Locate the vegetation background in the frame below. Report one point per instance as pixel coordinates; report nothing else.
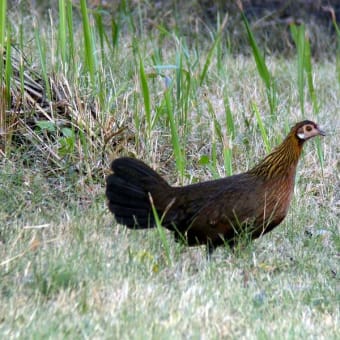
(198, 90)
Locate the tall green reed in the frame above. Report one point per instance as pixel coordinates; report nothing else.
(262, 68)
(89, 48)
(304, 69)
(304, 66)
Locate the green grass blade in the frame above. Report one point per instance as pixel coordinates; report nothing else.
(42, 55)
(21, 62)
(262, 68)
(101, 33)
(208, 59)
(8, 68)
(259, 59)
(70, 38)
(228, 157)
(3, 14)
(185, 98)
(161, 231)
(212, 49)
(320, 153)
(88, 42)
(3, 9)
(216, 132)
(62, 31)
(300, 42)
(180, 161)
(178, 76)
(146, 96)
(298, 34)
(227, 149)
(229, 118)
(262, 128)
(309, 75)
(114, 33)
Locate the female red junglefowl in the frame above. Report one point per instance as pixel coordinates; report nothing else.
(213, 212)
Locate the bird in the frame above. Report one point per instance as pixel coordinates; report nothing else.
(215, 212)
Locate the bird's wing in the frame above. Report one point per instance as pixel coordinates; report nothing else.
(219, 215)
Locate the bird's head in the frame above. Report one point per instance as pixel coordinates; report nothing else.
(306, 129)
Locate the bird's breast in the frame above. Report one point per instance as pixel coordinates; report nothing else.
(277, 198)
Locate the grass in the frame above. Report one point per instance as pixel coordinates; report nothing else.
(194, 112)
(80, 277)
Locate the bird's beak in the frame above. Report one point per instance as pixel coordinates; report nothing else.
(321, 132)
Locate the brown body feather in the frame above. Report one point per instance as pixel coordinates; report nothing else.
(213, 212)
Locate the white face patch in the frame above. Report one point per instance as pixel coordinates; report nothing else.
(301, 135)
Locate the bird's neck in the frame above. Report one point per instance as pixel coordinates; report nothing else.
(282, 161)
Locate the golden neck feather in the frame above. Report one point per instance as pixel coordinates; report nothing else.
(282, 159)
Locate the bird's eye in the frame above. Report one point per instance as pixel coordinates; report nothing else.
(308, 128)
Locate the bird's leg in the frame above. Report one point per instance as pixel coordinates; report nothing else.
(210, 248)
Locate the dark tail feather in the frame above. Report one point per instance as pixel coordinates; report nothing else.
(127, 190)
